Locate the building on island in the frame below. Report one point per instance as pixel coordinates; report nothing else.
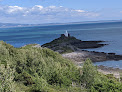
(66, 34)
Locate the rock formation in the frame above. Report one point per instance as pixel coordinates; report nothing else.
(69, 44)
(72, 48)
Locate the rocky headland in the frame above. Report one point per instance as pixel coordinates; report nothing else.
(72, 48)
(66, 44)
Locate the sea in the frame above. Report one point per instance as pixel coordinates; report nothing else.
(110, 32)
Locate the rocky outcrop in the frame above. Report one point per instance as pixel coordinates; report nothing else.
(65, 44)
(74, 49)
(80, 56)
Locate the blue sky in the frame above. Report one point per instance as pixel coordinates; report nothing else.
(53, 11)
(76, 4)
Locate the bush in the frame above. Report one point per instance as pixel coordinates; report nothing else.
(89, 74)
(97, 82)
(40, 69)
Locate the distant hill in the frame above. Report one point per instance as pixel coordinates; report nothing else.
(6, 25)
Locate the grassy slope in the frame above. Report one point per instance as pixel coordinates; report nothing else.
(39, 69)
(30, 69)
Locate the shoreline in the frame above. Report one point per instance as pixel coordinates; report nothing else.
(116, 72)
(82, 55)
(79, 58)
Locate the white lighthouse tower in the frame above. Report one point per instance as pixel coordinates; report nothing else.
(66, 33)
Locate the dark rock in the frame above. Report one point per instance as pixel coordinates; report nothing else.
(70, 43)
(62, 36)
(111, 53)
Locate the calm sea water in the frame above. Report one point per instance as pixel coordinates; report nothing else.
(110, 32)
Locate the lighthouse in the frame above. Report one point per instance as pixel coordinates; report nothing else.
(66, 34)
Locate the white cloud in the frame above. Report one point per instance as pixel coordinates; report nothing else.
(12, 9)
(80, 10)
(37, 7)
(40, 14)
(52, 7)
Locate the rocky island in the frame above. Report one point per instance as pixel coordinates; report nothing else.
(65, 44)
(73, 48)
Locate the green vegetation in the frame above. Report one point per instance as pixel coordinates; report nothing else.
(29, 45)
(64, 49)
(60, 40)
(36, 70)
(62, 44)
(30, 69)
(97, 82)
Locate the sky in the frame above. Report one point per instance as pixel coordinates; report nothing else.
(59, 11)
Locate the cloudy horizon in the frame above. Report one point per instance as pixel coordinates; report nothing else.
(41, 13)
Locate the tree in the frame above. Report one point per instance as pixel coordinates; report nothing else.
(89, 73)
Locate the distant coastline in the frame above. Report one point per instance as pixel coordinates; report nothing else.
(12, 25)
